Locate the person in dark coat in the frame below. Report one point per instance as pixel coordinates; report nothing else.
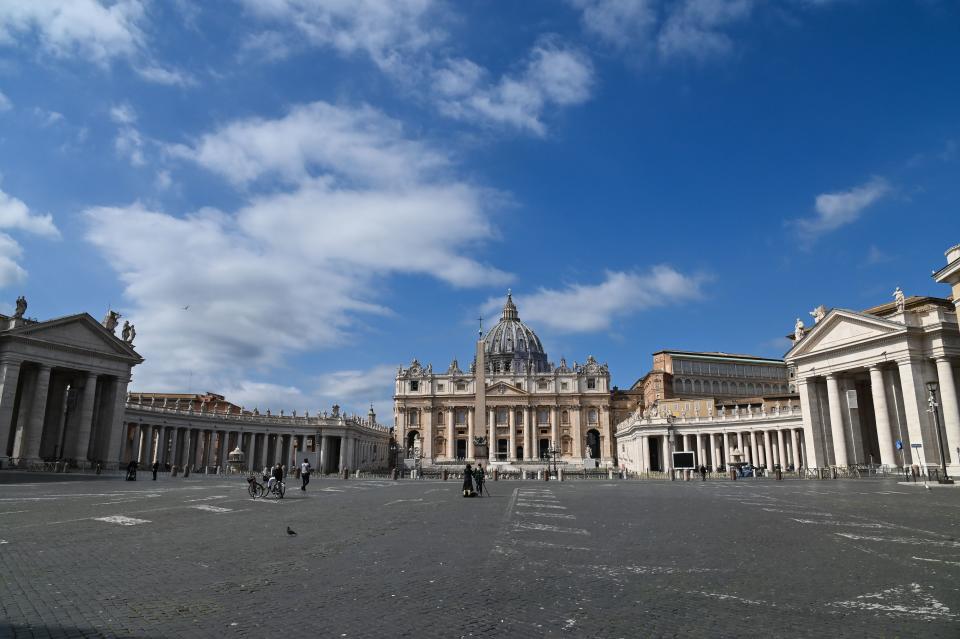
(480, 478)
(468, 482)
(156, 467)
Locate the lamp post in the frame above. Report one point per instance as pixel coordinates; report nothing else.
(553, 451)
(932, 407)
(671, 437)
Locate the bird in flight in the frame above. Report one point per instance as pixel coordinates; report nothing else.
(187, 307)
(290, 531)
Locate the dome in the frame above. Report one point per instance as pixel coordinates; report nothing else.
(512, 346)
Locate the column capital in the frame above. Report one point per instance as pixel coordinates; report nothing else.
(832, 376)
(941, 358)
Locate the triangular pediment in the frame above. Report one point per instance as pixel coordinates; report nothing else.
(505, 389)
(841, 328)
(78, 332)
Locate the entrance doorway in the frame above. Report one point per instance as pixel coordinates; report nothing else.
(461, 449)
(655, 460)
(503, 446)
(543, 448)
(593, 443)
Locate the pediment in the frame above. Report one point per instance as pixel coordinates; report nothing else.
(842, 328)
(505, 389)
(79, 332)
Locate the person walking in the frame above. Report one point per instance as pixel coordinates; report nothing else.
(703, 473)
(155, 468)
(304, 474)
(468, 482)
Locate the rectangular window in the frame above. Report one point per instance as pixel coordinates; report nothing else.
(440, 388)
(461, 386)
(541, 386)
(591, 383)
(414, 386)
(563, 386)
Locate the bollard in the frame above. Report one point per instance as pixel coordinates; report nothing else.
(186, 471)
(539, 475)
(173, 471)
(559, 474)
(393, 474)
(496, 474)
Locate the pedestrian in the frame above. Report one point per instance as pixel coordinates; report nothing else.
(305, 474)
(156, 467)
(468, 482)
(480, 478)
(132, 470)
(703, 473)
(277, 476)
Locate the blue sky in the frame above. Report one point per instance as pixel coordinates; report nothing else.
(335, 187)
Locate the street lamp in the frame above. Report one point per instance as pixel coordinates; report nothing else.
(932, 407)
(671, 438)
(553, 451)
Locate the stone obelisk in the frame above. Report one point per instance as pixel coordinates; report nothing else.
(480, 402)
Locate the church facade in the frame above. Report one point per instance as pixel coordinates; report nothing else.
(512, 406)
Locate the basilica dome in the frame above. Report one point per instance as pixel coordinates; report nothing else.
(511, 346)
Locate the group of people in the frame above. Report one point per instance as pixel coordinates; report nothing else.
(279, 471)
(474, 481)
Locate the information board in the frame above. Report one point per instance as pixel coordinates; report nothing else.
(684, 460)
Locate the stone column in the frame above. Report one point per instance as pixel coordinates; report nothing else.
(836, 422)
(512, 420)
(173, 460)
(701, 453)
(38, 412)
(915, 408)
(781, 451)
(555, 429)
(343, 453)
(81, 442)
(687, 443)
(527, 434)
(117, 411)
(143, 446)
(644, 454)
(754, 456)
(577, 430)
(9, 376)
(767, 450)
(888, 453)
(492, 435)
(324, 453)
(808, 411)
(796, 448)
(740, 444)
(667, 458)
(471, 451)
(452, 434)
(951, 411)
(717, 450)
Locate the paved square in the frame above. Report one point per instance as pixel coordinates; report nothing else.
(196, 557)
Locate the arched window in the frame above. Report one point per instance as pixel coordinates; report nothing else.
(440, 418)
(501, 415)
(519, 417)
(543, 416)
(413, 418)
(592, 416)
(564, 417)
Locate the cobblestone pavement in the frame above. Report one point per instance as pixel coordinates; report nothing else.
(196, 557)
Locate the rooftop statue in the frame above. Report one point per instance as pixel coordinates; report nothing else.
(21, 307)
(818, 314)
(110, 320)
(798, 330)
(899, 299)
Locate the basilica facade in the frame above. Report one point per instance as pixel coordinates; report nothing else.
(512, 406)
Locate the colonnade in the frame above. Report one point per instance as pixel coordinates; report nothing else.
(49, 413)
(857, 416)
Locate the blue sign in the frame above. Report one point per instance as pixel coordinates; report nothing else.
(899, 445)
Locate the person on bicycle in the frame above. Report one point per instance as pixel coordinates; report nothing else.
(277, 476)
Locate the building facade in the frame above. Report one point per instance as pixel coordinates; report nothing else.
(881, 385)
(63, 386)
(512, 406)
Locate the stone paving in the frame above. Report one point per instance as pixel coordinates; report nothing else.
(374, 558)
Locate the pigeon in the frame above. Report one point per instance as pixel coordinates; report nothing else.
(290, 531)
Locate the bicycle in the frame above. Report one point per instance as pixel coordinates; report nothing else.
(257, 490)
(254, 487)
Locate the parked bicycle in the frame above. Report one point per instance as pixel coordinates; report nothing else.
(257, 490)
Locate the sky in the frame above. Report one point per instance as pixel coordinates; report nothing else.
(292, 198)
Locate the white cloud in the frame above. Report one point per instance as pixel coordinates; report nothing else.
(834, 210)
(169, 77)
(622, 23)
(299, 266)
(384, 31)
(356, 390)
(15, 215)
(92, 29)
(5, 103)
(695, 29)
(47, 117)
(553, 75)
(123, 114)
(581, 308)
(358, 144)
(128, 143)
